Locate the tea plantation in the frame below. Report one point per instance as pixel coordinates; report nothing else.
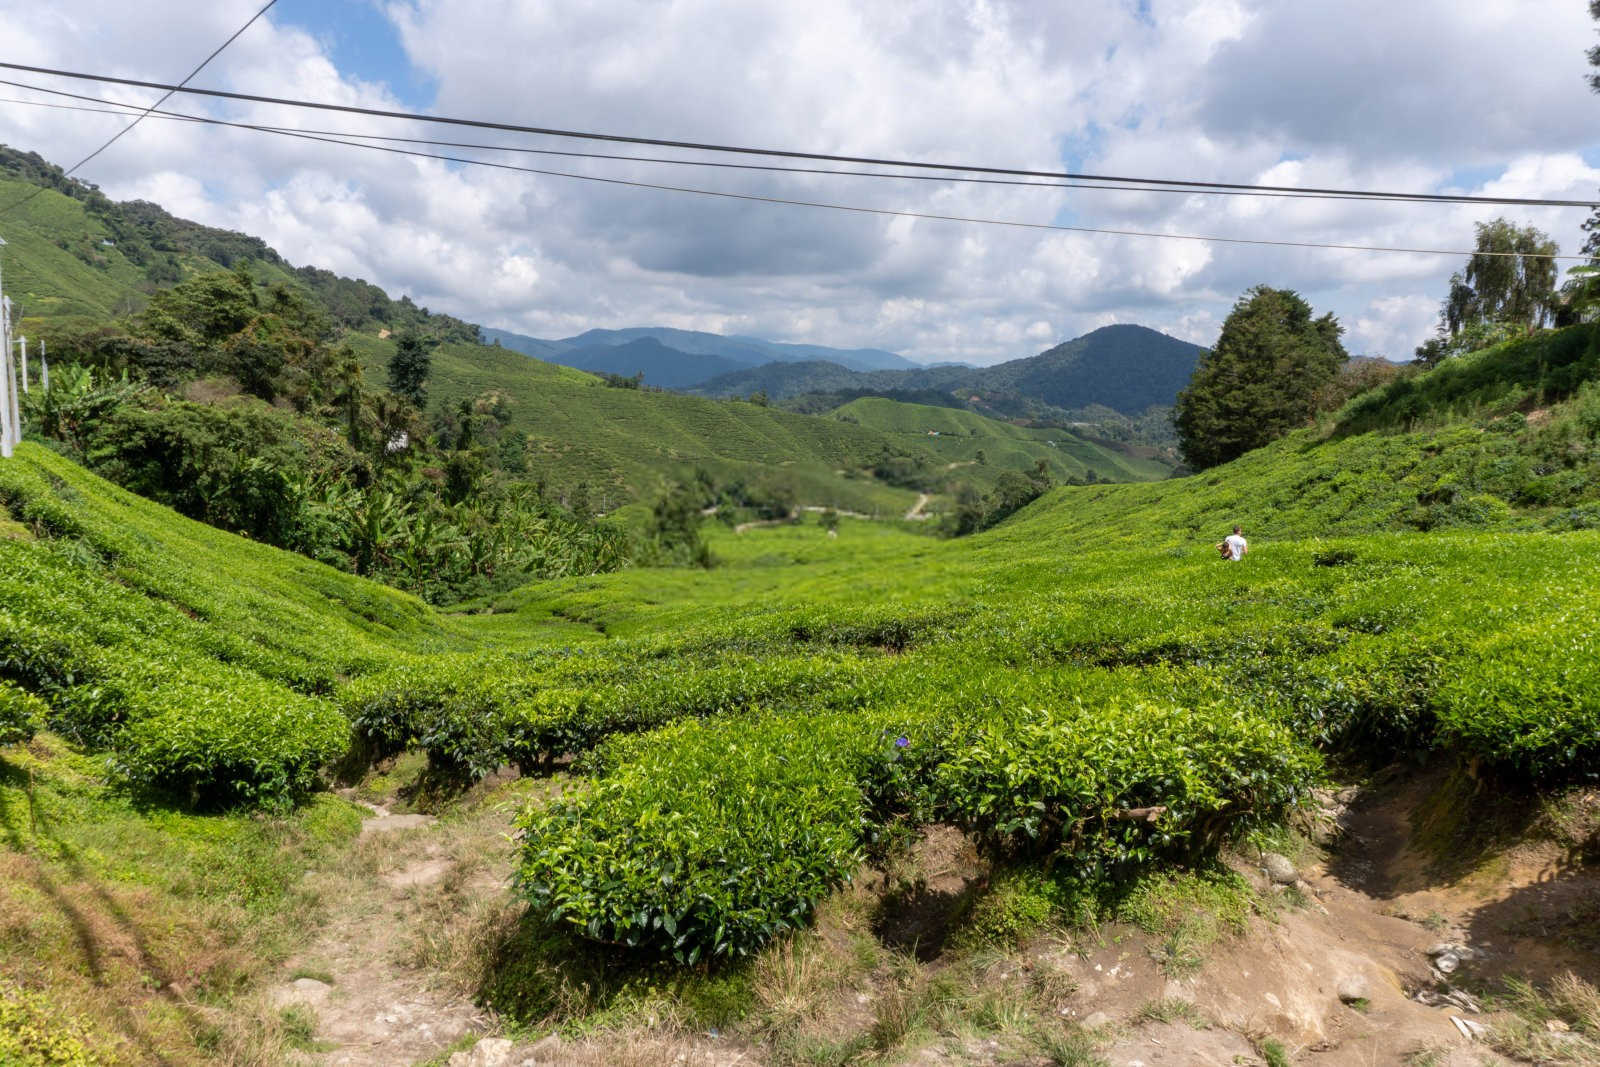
(1085, 687)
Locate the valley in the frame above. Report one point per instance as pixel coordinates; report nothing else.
(891, 729)
(380, 686)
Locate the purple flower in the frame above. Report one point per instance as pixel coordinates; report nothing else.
(901, 742)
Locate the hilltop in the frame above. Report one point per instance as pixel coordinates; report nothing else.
(1124, 369)
(1127, 369)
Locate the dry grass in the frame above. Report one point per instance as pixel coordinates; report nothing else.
(1577, 1003)
(794, 982)
(1525, 1031)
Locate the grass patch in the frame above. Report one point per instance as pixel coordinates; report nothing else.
(1189, 912)
(1066, 1047)
(136, 918)
(1171, 1010)
(1274, 1053)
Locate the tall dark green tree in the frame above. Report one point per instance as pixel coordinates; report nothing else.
(1260, 380)
(1584, 285)
(409, 366)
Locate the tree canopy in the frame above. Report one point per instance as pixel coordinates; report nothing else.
(1508, 287)
(1260, 380)
(409, 367)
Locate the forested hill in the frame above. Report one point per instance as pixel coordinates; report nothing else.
(215, 377)
(1126, 368)
(80, 259)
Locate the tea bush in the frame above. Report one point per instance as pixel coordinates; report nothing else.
(21, 714)
(228, 740)
(708, 839)
(711, 841)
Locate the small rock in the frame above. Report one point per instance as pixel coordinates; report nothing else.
(1279, 869)
(1096, 1020)
(1353, 988)
(1453, 948)
(490, 1052)
(1446, 962)
(545, 1050)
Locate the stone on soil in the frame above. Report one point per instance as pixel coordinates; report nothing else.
(490, 1052)
(1353, 988)
(1279, 869)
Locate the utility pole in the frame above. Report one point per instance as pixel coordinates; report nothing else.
(8, 386)
(22, 343)
(44, 365)
(10, 430)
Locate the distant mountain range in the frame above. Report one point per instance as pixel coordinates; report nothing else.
(678, 359)
(1126, 368)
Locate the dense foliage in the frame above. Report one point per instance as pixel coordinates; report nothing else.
(1508, 287)
(1083, 687)
(308, 458)
(1260, 380)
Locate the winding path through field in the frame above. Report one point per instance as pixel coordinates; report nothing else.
(916, 514)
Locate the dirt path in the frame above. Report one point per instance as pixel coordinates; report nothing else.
(916, 514)
(371, 1007)
(757, 524)
(1339, 965)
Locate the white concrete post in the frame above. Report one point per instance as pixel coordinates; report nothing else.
(16, 393)
(22, 343)
(44, 366)
(7, 386)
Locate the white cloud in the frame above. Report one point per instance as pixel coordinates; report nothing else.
(1416, 96)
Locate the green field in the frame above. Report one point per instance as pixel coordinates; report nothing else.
(957, 436)
(1085, 690)
(748, 737)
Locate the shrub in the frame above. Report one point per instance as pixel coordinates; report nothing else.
(21, 714)
(1528, 702)
(708, 840)
(709, 843)
(34, 1033)
(237, 742)
(1110, 789)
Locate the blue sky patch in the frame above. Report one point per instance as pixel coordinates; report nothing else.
(362, 43)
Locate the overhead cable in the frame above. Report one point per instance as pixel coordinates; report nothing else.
(883, 212)
(713, 164)
(793, 154)
(165, 97)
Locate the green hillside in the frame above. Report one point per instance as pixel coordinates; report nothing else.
(793, 713)
(58, 263)
(76, 260)
(624, 443)
(957, 436)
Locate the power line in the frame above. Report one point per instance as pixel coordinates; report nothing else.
(857, 209)
(792, 154)
(764, 168)
(140, 118)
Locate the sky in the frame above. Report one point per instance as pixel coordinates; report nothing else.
(1419, 96)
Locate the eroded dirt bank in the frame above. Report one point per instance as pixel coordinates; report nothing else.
(1384, 932)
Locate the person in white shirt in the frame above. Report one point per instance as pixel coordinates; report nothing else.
(1236, 544)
